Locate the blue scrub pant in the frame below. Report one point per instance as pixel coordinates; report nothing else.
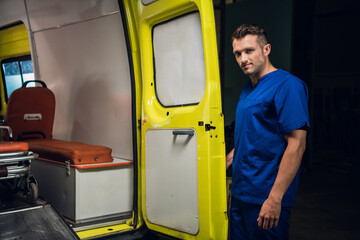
(244, 225)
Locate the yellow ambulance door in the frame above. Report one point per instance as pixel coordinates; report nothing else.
(183, 180)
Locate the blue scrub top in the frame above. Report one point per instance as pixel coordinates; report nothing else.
(276, 105)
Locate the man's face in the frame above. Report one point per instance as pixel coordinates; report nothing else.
(250, 55)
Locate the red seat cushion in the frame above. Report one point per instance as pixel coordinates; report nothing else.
(75, 152)
(30, 101)
(13, 147)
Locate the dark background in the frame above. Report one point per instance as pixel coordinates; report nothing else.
(316, 40)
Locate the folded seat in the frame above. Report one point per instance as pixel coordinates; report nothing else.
(30, 114)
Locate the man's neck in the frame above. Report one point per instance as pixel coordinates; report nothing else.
(256, 77)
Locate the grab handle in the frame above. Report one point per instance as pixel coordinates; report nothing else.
(183, 132)
(35, 81)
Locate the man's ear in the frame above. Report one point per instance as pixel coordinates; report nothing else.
(267, 49)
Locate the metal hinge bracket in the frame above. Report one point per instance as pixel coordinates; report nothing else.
(67, 166)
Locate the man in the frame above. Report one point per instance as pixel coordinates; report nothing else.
(270, 138)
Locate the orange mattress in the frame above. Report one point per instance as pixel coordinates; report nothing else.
(75, 152)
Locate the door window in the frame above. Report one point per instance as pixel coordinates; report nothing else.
(179, 61)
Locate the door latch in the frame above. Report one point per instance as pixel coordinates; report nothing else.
(208, 127)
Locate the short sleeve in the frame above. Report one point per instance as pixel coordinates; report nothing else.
(291, 104)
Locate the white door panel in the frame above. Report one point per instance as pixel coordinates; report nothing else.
(171, 179)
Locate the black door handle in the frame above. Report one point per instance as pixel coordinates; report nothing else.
(183, 132)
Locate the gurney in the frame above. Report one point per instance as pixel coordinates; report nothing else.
(15, 162)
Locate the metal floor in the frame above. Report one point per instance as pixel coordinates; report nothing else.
(22, 220)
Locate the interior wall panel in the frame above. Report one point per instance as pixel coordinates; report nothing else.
(86, 65)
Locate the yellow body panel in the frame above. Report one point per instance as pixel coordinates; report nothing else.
(130, 11)
(14, 42)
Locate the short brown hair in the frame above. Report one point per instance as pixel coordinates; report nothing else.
(250, 29)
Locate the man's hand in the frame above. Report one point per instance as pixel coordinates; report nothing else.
(229, 159)
(269, 214)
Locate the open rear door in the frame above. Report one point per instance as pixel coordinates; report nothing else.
(183, 177)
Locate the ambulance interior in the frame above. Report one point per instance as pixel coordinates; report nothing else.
(83, 60)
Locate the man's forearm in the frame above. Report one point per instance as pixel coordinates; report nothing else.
(290, 164)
